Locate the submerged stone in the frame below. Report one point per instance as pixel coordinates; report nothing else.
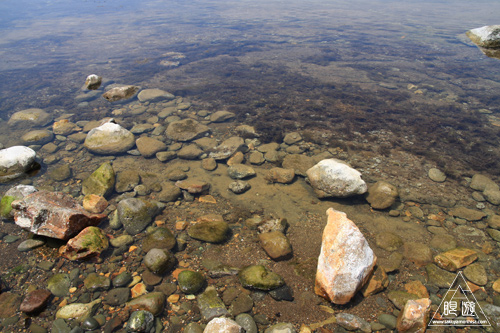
(78, 311)
(260, 278)
(120, 93)
(190, 282)
(30, 118)
(136, 214)
(209, 231)
(153, 302)
(186, 130)
(101, 182)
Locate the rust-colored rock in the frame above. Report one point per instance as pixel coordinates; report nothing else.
(280, 175)
(345, 261)
(416, 287)
(276, 245)
(35, 301)
(455, 259)
(94, 203)
(53, 214)
(377, 282)
(193, 186)
(90, 242)
(414, 316)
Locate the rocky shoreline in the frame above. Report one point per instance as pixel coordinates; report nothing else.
(202, 221)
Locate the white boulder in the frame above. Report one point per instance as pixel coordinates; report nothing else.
(109, 139)
(487, 36)
(345, 261)
(334, 178)
(16, 161)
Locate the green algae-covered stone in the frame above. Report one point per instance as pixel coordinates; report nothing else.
(259, 277)
(209, 231)
(96, 282)
(5, 207)
(58, 284)
(140, 321)
(101, 182)
(159, 238)
(136, 214)
(211, 305)
(90, 242)
(153, 302)
(190, 282)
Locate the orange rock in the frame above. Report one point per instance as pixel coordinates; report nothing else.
(455, 259)
(208, 198)
(414, 316)
(173, 298)
(236, 159)
(138, 289)
(181, 225)
(496, 286)
(345, 261)
(377, 282)
(416, 287)
(94, 203)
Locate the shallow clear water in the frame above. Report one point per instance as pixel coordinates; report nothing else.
(299, 61)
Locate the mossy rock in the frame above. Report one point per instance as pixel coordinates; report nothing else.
(190, 282)
(5, 207)
(259, 277)
(153, 302)
(59, 284)
(136, 214)
(101, 182)
(209, 231)
(95, 282)
(160, 238)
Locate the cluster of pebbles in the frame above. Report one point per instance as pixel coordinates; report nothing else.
(197, 256)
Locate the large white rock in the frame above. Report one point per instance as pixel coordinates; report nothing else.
(109, 139)
(345, 261)
(487, 36)
(16, 161)
(334, 178)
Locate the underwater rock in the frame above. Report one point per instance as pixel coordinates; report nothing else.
(120, 93)
(382, 195)
(415, 316)
(90, 242)
(148, 147)
(186, 130)
(221, 116)
(65, 127)
(154, 95)
(78, 311)
(153, 302)
(136, 214)
(35, 301)
(109, 139)
(209, 231)
(222, 324)
(260, 278)
(159, 261)
(30, 118)
(37, 137)
(228, 148)
(487, 36)
(101, 182)
(16, 161)
(53, 214)
(346, 259)
(299, 163)
(334, 178)
(280, 175)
